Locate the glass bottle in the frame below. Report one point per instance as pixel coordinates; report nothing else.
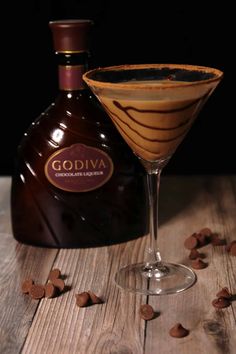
(76, 183)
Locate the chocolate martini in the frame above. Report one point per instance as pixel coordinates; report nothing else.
(153, 106)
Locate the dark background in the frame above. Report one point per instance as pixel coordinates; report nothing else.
(124, 32)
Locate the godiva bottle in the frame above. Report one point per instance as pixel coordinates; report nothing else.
(76, 182)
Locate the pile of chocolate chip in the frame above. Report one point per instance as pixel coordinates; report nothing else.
(197, 240)
(85, 299)
(202, 238)
(54, 286)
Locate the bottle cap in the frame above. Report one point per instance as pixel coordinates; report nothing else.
(70, 36)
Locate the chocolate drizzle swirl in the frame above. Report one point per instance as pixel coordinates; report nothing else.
(131, 120)
(180, 109)
(145, 125)
(133, 142)
(142, 136)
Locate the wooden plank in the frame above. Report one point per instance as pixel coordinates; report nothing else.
(113, 327)
(5, 222)
(16, 263)
(193, 203)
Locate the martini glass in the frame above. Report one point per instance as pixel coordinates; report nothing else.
(153, 106)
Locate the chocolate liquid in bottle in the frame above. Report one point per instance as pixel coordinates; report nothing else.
(76, 182)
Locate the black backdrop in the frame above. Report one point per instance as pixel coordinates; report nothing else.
(124, 32)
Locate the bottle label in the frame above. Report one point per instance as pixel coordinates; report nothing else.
(79, 168)
(70, 77)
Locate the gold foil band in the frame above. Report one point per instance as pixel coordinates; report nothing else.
(71, 51)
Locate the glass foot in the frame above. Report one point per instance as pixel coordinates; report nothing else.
(170, 279)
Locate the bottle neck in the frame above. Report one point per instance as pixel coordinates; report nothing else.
(71, 69)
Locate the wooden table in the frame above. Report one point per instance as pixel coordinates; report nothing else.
(59, 326)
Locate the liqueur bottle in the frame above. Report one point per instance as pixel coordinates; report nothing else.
(76, 183)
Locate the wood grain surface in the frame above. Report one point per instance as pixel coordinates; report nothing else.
(58, 326)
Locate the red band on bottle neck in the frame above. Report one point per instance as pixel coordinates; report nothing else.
(70, 77)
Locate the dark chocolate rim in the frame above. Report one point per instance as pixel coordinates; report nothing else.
(218, 74)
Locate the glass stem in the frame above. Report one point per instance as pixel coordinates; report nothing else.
(153, 182)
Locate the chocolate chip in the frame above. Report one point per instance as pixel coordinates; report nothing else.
(58, 283)
(54, 274)
(146, 312)
(216, 241)
(26, 286)
(83, 299)
(37, 291)
(50, 290)
(94, 298)
(233, 249)
(190, 242)
(198, 264)
(202, 239)
(224, 292)
(228, 247)
(178, 331)
(205, 231)
(194, 254)
(221, 302)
